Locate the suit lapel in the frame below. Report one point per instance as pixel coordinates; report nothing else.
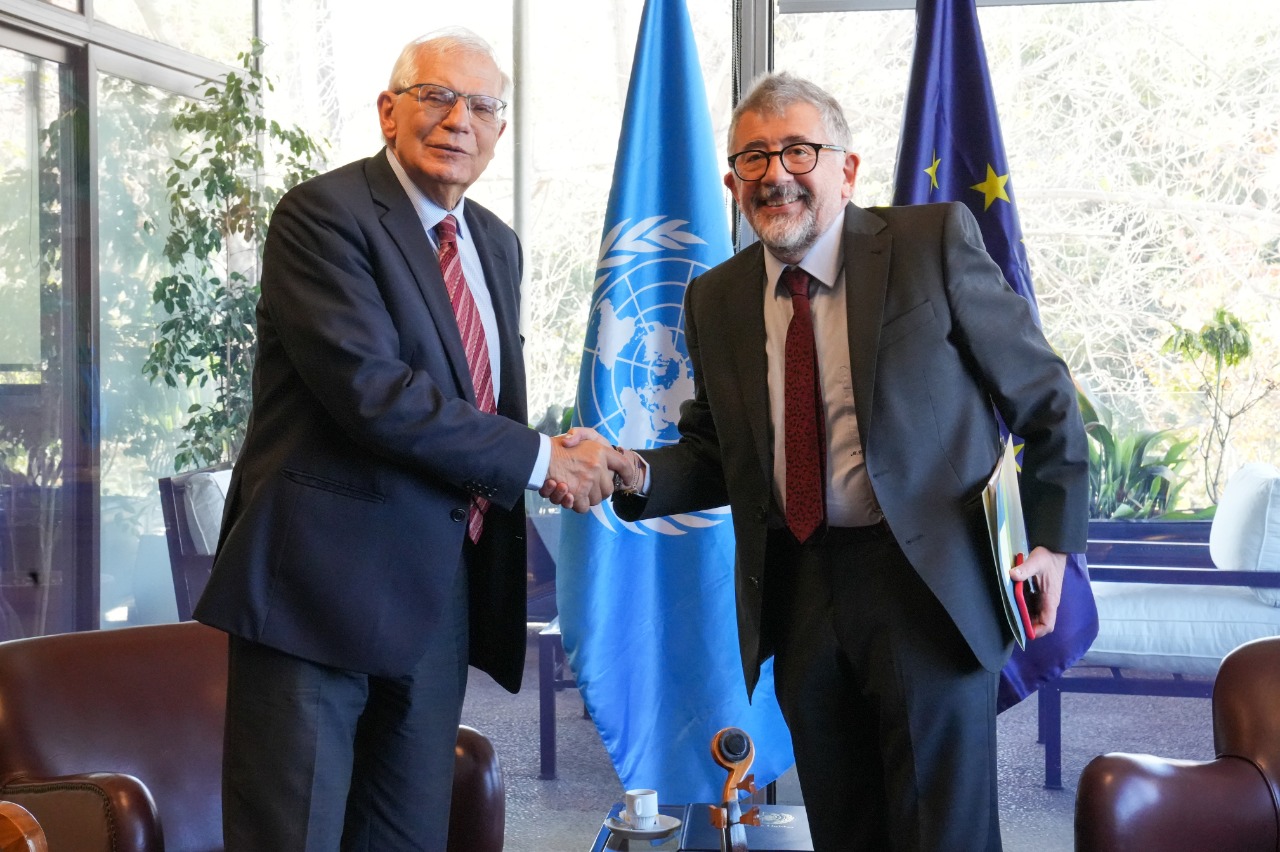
(743, 309)
(867, 250)
(405, 228)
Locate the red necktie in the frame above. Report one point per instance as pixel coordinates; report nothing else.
(804, 421)
(473, 341)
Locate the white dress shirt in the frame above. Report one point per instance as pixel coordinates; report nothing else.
(850, 502)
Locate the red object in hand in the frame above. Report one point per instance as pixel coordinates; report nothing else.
(1020, 592)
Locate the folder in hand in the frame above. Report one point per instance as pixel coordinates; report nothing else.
(1008, 531)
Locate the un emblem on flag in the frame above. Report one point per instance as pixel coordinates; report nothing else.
(636, 367)
(636, 371)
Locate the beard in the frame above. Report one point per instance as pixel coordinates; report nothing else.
(788, 238)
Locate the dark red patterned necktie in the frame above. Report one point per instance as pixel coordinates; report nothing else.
(804, 421)
(473, 341)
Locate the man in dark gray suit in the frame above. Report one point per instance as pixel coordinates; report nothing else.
(875, 590)
(373, 540)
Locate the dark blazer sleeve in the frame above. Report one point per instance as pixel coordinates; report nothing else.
(1028, 383)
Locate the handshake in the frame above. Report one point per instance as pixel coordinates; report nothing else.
(585, 469)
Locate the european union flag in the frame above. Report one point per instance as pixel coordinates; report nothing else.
(647, 609)
(951, 150)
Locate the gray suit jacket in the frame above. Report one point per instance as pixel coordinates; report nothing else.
(346, 515)
(936, 338)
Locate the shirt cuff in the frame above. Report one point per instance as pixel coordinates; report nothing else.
(643, 490)
(538, 476)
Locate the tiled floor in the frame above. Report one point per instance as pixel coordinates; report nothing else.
(564, 815)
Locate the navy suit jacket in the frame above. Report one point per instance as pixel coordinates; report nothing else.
(346, 515)
(936, 339)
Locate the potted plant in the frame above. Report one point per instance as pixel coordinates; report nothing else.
(222, 190)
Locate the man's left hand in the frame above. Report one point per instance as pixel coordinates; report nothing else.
(1048, 568)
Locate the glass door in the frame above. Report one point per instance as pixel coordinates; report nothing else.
(39, 434)
(141, 421)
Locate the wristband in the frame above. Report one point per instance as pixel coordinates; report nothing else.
(620, 485)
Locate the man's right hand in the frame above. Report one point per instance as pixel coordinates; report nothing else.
(581, 471)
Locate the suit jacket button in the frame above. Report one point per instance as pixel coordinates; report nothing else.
(755, 581)
(458, 515)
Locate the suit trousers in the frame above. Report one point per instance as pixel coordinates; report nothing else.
(891, 716)
(319, 759)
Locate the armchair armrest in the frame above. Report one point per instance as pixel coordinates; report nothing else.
(19, 831)
(90, 812)
(1139, 802)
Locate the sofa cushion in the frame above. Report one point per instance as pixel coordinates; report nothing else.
(1170, 627)
(206, 494)
(1246, 527)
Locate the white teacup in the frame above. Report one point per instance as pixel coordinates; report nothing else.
(641, 809)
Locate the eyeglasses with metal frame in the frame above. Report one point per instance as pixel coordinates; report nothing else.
(437, 98)
(798, 158)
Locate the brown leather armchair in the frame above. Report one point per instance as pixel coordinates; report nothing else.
(113, 741)
(1139, 802)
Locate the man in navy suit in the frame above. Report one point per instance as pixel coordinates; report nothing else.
(882, 615)
(373, 540)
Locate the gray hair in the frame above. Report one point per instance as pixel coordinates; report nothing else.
(772, 93)
(446, 42)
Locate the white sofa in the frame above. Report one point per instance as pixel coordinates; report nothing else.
(1175, 625)
(1188, 629)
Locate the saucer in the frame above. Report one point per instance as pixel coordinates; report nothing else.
(665, 827)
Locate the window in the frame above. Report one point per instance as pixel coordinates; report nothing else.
(83, 437)
(37, 583)
(1142, 142)
(218, 31)
(139, 420)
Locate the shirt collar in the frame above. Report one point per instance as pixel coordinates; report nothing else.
(429, 213)
(824, 261)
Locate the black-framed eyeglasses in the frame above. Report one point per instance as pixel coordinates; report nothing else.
(441, 99)
(799, 158)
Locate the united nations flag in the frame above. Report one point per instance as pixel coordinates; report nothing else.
(647, 609)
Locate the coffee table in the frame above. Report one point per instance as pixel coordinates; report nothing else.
(786, 827)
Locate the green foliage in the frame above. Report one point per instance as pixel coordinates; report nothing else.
(1222, 343)
(220, 200)
(1130, 475)
(1224, 340)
